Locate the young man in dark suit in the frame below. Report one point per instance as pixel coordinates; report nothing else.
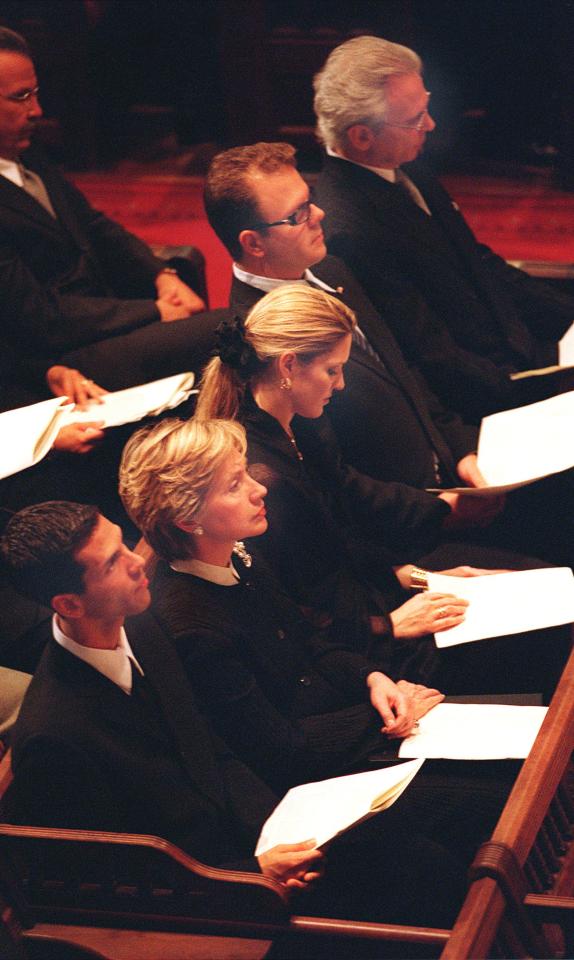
(458, 311)
(109, 738)
(75, 284)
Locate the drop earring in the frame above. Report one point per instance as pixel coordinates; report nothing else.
(285, 383)
(198, 531)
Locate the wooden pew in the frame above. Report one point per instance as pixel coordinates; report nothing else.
(521, 899)
(520, 902)
(70, 882)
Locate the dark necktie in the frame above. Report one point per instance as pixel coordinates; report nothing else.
(34, 186)
(359, 337)
(143, 691)
(407, 186)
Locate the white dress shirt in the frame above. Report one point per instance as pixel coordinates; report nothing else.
(12, 171)
(113, 664)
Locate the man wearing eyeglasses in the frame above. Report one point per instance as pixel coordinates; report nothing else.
(76, 287)
(389, 423)
(459, 312)
(263, 211)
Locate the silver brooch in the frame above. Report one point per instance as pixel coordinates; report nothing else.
(240, 551)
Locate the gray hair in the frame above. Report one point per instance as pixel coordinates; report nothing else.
(350, 88)
(12, 42)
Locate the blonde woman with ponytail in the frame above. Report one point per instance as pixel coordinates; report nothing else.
(345, 546)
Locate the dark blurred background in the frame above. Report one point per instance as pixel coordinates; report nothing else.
(153, 78)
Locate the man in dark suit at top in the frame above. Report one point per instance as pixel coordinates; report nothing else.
(465, 317)
(75, 285)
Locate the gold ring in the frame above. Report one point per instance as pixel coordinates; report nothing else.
(441, 611)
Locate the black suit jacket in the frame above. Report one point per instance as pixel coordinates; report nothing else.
(80, 289)
(457, 310)
(388, 422)
(66, 281)
(87, 755)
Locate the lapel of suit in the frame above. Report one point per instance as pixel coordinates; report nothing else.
(163, 669)
(393, 365)
(15, 198)
(243, 296)
(67, 217)
(461, 239)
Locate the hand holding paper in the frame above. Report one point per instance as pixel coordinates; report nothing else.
(508, 603)
(327, 808)
(294, 864)
(27, 434)
(519, 446)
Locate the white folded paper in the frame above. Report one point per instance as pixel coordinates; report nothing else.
(475, 731)
(27, 433)
(134, 403)
(566, 348)
(326, 808)
(517, 447)
(507, 603)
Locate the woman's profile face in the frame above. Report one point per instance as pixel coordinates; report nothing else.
(313, 384)
(234, 508)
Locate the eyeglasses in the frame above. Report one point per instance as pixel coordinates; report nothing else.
(23, 97)
(295, 219)
(416, 124)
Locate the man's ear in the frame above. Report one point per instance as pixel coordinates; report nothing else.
(250, 241)
(69, 605)
(360, 137)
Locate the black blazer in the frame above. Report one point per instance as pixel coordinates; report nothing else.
(387, 421)
(87, 755)
(80, 289)
(456, 308)
(292, 704)
(66, 282)
(334, 534)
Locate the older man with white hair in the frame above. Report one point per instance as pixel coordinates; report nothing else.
(459, 312)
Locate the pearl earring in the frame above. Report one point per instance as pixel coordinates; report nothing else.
(285, 383)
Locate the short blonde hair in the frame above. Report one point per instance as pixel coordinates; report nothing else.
(293, 318)
(350, 88)
(167, 471)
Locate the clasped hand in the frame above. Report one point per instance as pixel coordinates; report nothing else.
(400, 704)
(175, 299)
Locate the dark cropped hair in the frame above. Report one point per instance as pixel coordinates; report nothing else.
(228, 195)
(13, 42)
(38, 548)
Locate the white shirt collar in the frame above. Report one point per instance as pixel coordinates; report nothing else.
(113, 664)
(223, 576)
(271, 283)
(384, 172)
(11, 170)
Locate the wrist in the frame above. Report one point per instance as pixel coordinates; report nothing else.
(419, 579)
